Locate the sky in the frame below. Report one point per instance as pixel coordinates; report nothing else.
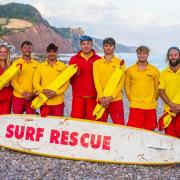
(154, 23)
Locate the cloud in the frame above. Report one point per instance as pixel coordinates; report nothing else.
(155, 23)
(3, 1)
(43, 9)
(95, 12)
(149, 20)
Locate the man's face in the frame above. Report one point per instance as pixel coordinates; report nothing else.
(86, 46)
(109, 49)
(173, 57)
(52, 55)
(142, 56)
(27, 50)
(3, 53)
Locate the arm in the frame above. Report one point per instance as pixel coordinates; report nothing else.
(16, 85)
(97, 81)
(119, 87)
(164, 97)
(63, 88)
(37, 80)
(73, 61)
(173, 107)
(156, 83)
(128, 85)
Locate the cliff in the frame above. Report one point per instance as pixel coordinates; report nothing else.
(19, 22)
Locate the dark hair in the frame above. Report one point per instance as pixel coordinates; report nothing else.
(26, 43)
(52, 47)
(143, 49)
(110, 41)
(174, 47)
(85, 38)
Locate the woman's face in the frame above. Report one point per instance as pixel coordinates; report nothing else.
(3, 53)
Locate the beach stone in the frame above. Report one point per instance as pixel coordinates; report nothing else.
(16, 165)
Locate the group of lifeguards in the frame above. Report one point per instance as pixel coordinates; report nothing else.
(143, 83)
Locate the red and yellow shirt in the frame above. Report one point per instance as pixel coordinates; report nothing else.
(44, 75)
(82, 82)
(170, 82)
(102, 71)
(23, 81)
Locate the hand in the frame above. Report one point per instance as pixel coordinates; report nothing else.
(28, 95)
(7, 85)
(105, 101)
(109, 99)
(49, 93)
(174, 107)
(102, 101)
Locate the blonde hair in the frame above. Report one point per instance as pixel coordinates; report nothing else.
(143, 49)
(8, 61)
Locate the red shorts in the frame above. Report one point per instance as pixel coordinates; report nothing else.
(5, 107)
(83, 107)
(174, 127)
(142, 118)
(116, 111)
(20, 105)
(52, 110)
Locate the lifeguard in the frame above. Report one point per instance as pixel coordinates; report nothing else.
(83, 89)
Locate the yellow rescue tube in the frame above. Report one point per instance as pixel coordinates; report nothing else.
(59, 81)
(169, 115)
(9, 74)
(109, 89)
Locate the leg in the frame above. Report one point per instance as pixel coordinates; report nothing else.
(78, 107)
(150, 121)
(58, 110)
(178, 125)
(171, 129)
(90, 105)
(117, 112)
(45, 110)
(29, 110)
(136, 117)
(104, 117)
(18, 105)
(5, 107)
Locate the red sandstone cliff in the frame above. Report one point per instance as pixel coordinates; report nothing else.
(40, 35)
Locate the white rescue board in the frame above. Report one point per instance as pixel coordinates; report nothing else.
(87, 140)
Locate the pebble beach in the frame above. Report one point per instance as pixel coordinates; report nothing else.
(16, 165)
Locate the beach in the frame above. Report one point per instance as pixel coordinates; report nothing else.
(15, 165)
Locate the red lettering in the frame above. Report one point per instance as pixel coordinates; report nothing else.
(73, 139)
(30, 131)
(106, 143)
(19, 132)
(9, 131)
(54, 136)
(39, 133)
(64, 137)
(83, 138)
(96, 144)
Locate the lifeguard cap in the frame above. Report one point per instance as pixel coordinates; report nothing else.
(85, 38)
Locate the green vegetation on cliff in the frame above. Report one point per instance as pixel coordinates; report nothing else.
(21, 11)
(4, 31)
(31, 14)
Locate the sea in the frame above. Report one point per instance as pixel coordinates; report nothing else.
(129, 58)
